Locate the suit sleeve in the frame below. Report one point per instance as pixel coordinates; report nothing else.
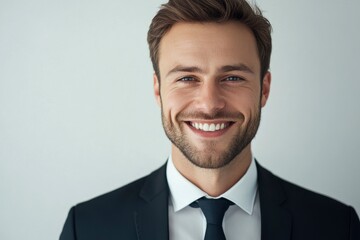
(68, 232)
(354, 225)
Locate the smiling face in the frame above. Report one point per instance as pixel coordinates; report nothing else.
(210, 93)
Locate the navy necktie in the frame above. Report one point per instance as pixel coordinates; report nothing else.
(214, 211)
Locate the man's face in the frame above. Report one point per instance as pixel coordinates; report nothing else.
(210, 93)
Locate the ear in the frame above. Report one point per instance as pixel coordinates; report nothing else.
(265, 88)
(157, 89)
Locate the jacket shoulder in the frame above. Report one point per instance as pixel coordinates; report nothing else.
(292, 192)
(298, 195)
(314, 215)
(112, 215)
(130, 194)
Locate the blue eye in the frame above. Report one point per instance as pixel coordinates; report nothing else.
(186, 79)
(233, 79)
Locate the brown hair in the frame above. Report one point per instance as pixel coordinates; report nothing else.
(210, 11)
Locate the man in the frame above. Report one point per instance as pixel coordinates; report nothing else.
(211, 61)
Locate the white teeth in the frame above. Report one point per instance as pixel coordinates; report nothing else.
(209, 127)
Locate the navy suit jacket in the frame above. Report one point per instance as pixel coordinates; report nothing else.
(139, 211)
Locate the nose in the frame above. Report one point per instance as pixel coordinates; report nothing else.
(210, 98)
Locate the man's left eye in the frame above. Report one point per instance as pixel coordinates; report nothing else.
(233, 78)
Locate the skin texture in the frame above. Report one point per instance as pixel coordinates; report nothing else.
(210, 73)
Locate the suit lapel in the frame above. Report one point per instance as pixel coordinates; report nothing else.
(276, 220)
(151, 219)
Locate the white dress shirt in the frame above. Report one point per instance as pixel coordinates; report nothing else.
(241, 221)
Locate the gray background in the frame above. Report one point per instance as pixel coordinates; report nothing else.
(78, 117)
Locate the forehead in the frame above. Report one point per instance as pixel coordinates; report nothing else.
(208, 45)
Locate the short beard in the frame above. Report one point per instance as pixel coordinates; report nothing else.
(211, 159)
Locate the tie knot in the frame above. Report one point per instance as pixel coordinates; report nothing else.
(214, 209)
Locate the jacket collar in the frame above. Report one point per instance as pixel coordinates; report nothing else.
(151, 218)
(276, 221)
(152, 221)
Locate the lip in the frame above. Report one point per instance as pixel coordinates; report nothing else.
(210, 134)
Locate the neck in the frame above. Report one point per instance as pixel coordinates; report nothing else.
(213, 181)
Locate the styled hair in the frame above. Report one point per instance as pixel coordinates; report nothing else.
(219, 11)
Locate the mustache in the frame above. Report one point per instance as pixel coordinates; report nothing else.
(221, 114)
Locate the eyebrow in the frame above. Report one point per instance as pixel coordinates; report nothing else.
(237, 67)
(180, 68)
(227, 68)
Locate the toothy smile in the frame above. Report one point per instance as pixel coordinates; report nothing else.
(210, 127)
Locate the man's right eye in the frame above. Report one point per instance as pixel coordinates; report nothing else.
(186, 79)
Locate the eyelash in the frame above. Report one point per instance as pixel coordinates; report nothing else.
(186, 79)
(233, 79)
(229, 78)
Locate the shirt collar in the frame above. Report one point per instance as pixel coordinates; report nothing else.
(183, 192)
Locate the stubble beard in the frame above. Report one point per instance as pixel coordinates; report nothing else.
(211, 158)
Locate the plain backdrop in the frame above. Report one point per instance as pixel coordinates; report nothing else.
(78, 117)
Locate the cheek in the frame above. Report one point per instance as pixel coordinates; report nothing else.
(246, 102)
(174, 102)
